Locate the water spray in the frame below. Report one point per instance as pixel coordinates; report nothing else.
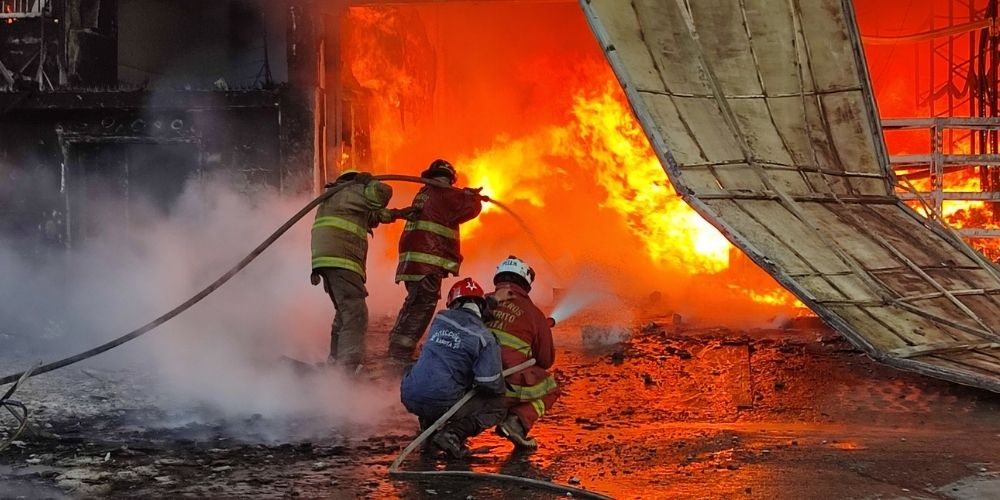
(575, 301)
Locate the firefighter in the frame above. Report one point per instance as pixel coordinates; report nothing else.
(339, 253)
(460, 354)
(428, 252)
(523, 332)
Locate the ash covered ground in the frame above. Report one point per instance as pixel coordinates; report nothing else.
(672, 412)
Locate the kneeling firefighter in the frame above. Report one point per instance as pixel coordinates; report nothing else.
(429, 251)
(340, 251)
(523, 332)
(460, 353)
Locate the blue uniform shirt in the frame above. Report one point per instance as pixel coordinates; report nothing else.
(459, 353)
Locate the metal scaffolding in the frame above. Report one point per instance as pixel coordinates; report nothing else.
(22, 9)
(939, 162)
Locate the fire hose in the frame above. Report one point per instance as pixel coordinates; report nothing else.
(19, 378)
(426, 474)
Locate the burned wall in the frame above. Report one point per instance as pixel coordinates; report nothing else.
(198, 44)
(56, 160)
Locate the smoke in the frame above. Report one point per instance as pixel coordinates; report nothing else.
(220, 358)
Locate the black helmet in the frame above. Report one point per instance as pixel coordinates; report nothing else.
(440, 168)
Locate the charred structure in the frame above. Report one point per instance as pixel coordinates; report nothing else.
(684, 366)
(130, 98)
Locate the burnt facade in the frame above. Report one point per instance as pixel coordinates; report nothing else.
(137, 98)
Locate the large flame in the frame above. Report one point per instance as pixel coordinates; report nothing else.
(603, 139)
(554, 138)
(625, 165)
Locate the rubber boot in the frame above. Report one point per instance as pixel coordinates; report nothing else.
(512, 429)
(451, 444)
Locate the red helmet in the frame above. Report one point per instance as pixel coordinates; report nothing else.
(467, 288)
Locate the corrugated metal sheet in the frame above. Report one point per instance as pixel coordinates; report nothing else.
(762, 113)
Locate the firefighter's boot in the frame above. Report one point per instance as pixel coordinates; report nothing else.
(512, 429)
(451, 444)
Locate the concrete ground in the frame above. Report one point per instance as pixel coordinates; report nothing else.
(673, 412)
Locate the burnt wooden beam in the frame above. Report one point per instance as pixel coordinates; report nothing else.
(143, 99)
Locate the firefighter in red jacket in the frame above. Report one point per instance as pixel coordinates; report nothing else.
(523, 332)
(429, 251)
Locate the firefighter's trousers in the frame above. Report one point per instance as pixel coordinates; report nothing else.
(347, 291)
(415, 316)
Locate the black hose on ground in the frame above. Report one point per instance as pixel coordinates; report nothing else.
(12, 407)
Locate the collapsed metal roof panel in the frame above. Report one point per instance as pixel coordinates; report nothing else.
(763, 115)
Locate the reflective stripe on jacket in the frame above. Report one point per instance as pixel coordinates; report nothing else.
(432, 244)
(523, 333)
(343, 221)
(459, 353)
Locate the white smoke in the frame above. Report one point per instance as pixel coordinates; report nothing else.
(222, 355)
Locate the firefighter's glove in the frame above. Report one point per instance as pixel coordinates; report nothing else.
(314, 278)
(477, 192)
(410, 213)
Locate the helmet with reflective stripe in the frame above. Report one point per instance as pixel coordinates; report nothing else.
(466, 289)
(517, 268)
(440, 168)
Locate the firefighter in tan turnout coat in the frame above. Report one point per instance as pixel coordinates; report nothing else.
(339, 253)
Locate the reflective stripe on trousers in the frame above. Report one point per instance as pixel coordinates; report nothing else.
(531, 392)
(538, 406)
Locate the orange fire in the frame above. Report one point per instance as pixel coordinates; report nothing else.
(960, 213)
(605, 141)
(574, 163)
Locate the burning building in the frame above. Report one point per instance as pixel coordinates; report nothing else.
(778, 122)
(100, 102)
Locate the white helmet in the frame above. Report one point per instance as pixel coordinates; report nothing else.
(518, 267)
